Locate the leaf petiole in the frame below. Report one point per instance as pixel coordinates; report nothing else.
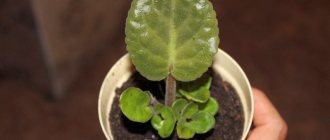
(170, 90)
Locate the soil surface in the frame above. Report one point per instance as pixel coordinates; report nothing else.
(229, 120)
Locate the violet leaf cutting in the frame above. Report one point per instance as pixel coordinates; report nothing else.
(176, 40)
(177, 37)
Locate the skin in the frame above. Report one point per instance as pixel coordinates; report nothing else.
(268, 123)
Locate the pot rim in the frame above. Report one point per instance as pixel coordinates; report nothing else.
(235, 76)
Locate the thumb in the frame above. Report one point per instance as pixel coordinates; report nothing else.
(268, 123)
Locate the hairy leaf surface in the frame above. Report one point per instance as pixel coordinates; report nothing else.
(178, 37)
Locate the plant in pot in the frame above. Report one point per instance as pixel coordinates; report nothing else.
(172, 44)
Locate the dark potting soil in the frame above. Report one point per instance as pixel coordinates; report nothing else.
(229, 120)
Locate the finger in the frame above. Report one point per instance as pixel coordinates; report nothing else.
(268, 123)
(264, 112)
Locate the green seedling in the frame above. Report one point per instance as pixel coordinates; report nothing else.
(175, 41)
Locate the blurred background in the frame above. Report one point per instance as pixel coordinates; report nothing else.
(55, 54)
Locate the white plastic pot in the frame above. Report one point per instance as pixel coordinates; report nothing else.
(223, 64)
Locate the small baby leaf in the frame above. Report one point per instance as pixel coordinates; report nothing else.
(157, 107)
(193, 121)
(178, 106)
(210, 106)
(201, 122)
(177, 37)
(164, 122)
(134, 103)
(189, 110)
(197, 90)
(183, 131)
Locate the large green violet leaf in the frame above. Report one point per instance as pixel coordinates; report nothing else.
(178, 37)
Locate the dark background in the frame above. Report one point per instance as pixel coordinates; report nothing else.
(283, 46)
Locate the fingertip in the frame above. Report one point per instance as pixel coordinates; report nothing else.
(258, 93)
(256, 90)
(264, 111)
(266, 117)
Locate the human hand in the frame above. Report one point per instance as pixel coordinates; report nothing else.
(268, 123)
